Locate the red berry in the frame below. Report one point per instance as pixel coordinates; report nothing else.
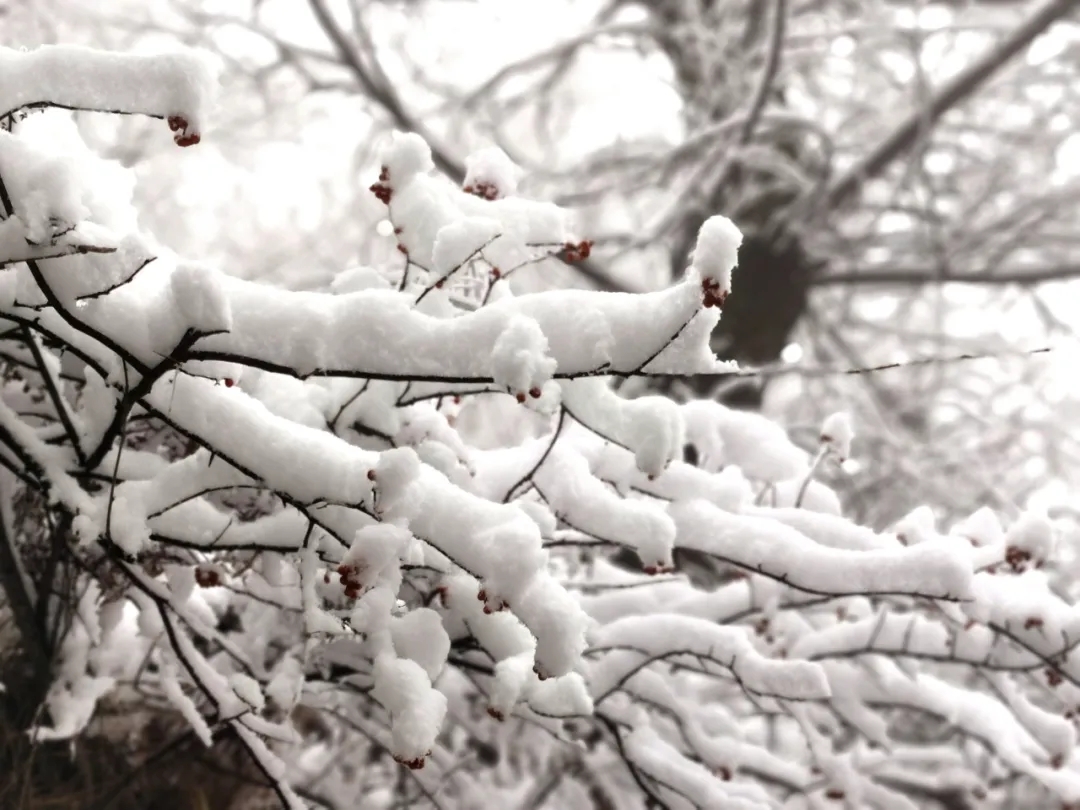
(371, 475)
(412, 764)
(382, 192)
(535, 392)
(179, 125)
(498, 715)
(207, 577)
(520, 396)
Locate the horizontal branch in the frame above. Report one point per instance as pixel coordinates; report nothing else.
(916, 277)
(379, 335)
(157, 85)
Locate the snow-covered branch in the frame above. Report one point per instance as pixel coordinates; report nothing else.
(390, 503)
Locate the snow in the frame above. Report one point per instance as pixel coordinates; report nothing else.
(416, 710)
(200, 299)
(181, 580)
(406, 156)
(519, 359)
(375, 553)
(758, 446)
(589, 506)
(286, 686)
(660, 636)
(45, 190)
(491, 173)
(982, 528)
(247, 689)
(175, 694)
(420, 636)
(74, 77)
(785, 554)
(1032, 534)
(662, 761)
(460, 241)
(825, 529)
(650, 427)
(717, 252)
(413, 501)
(557, 622)
(837, 434)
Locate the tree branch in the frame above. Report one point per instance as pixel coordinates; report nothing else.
(962, 86)
(916, 277)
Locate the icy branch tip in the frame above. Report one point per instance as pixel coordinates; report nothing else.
(490, 174)
(715, 255)
(837, 434)
(407, 155)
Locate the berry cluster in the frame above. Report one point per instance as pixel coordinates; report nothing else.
(712, 295)
(659, 568)
(381, 189)
(207, 576)
(482, 595)
(483, 190)
(412, 764)
(1017, 559)
(179, 125)
(575, 253)
(349, 578)
(534, 392)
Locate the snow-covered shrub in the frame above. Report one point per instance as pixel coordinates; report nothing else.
(391, 506)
